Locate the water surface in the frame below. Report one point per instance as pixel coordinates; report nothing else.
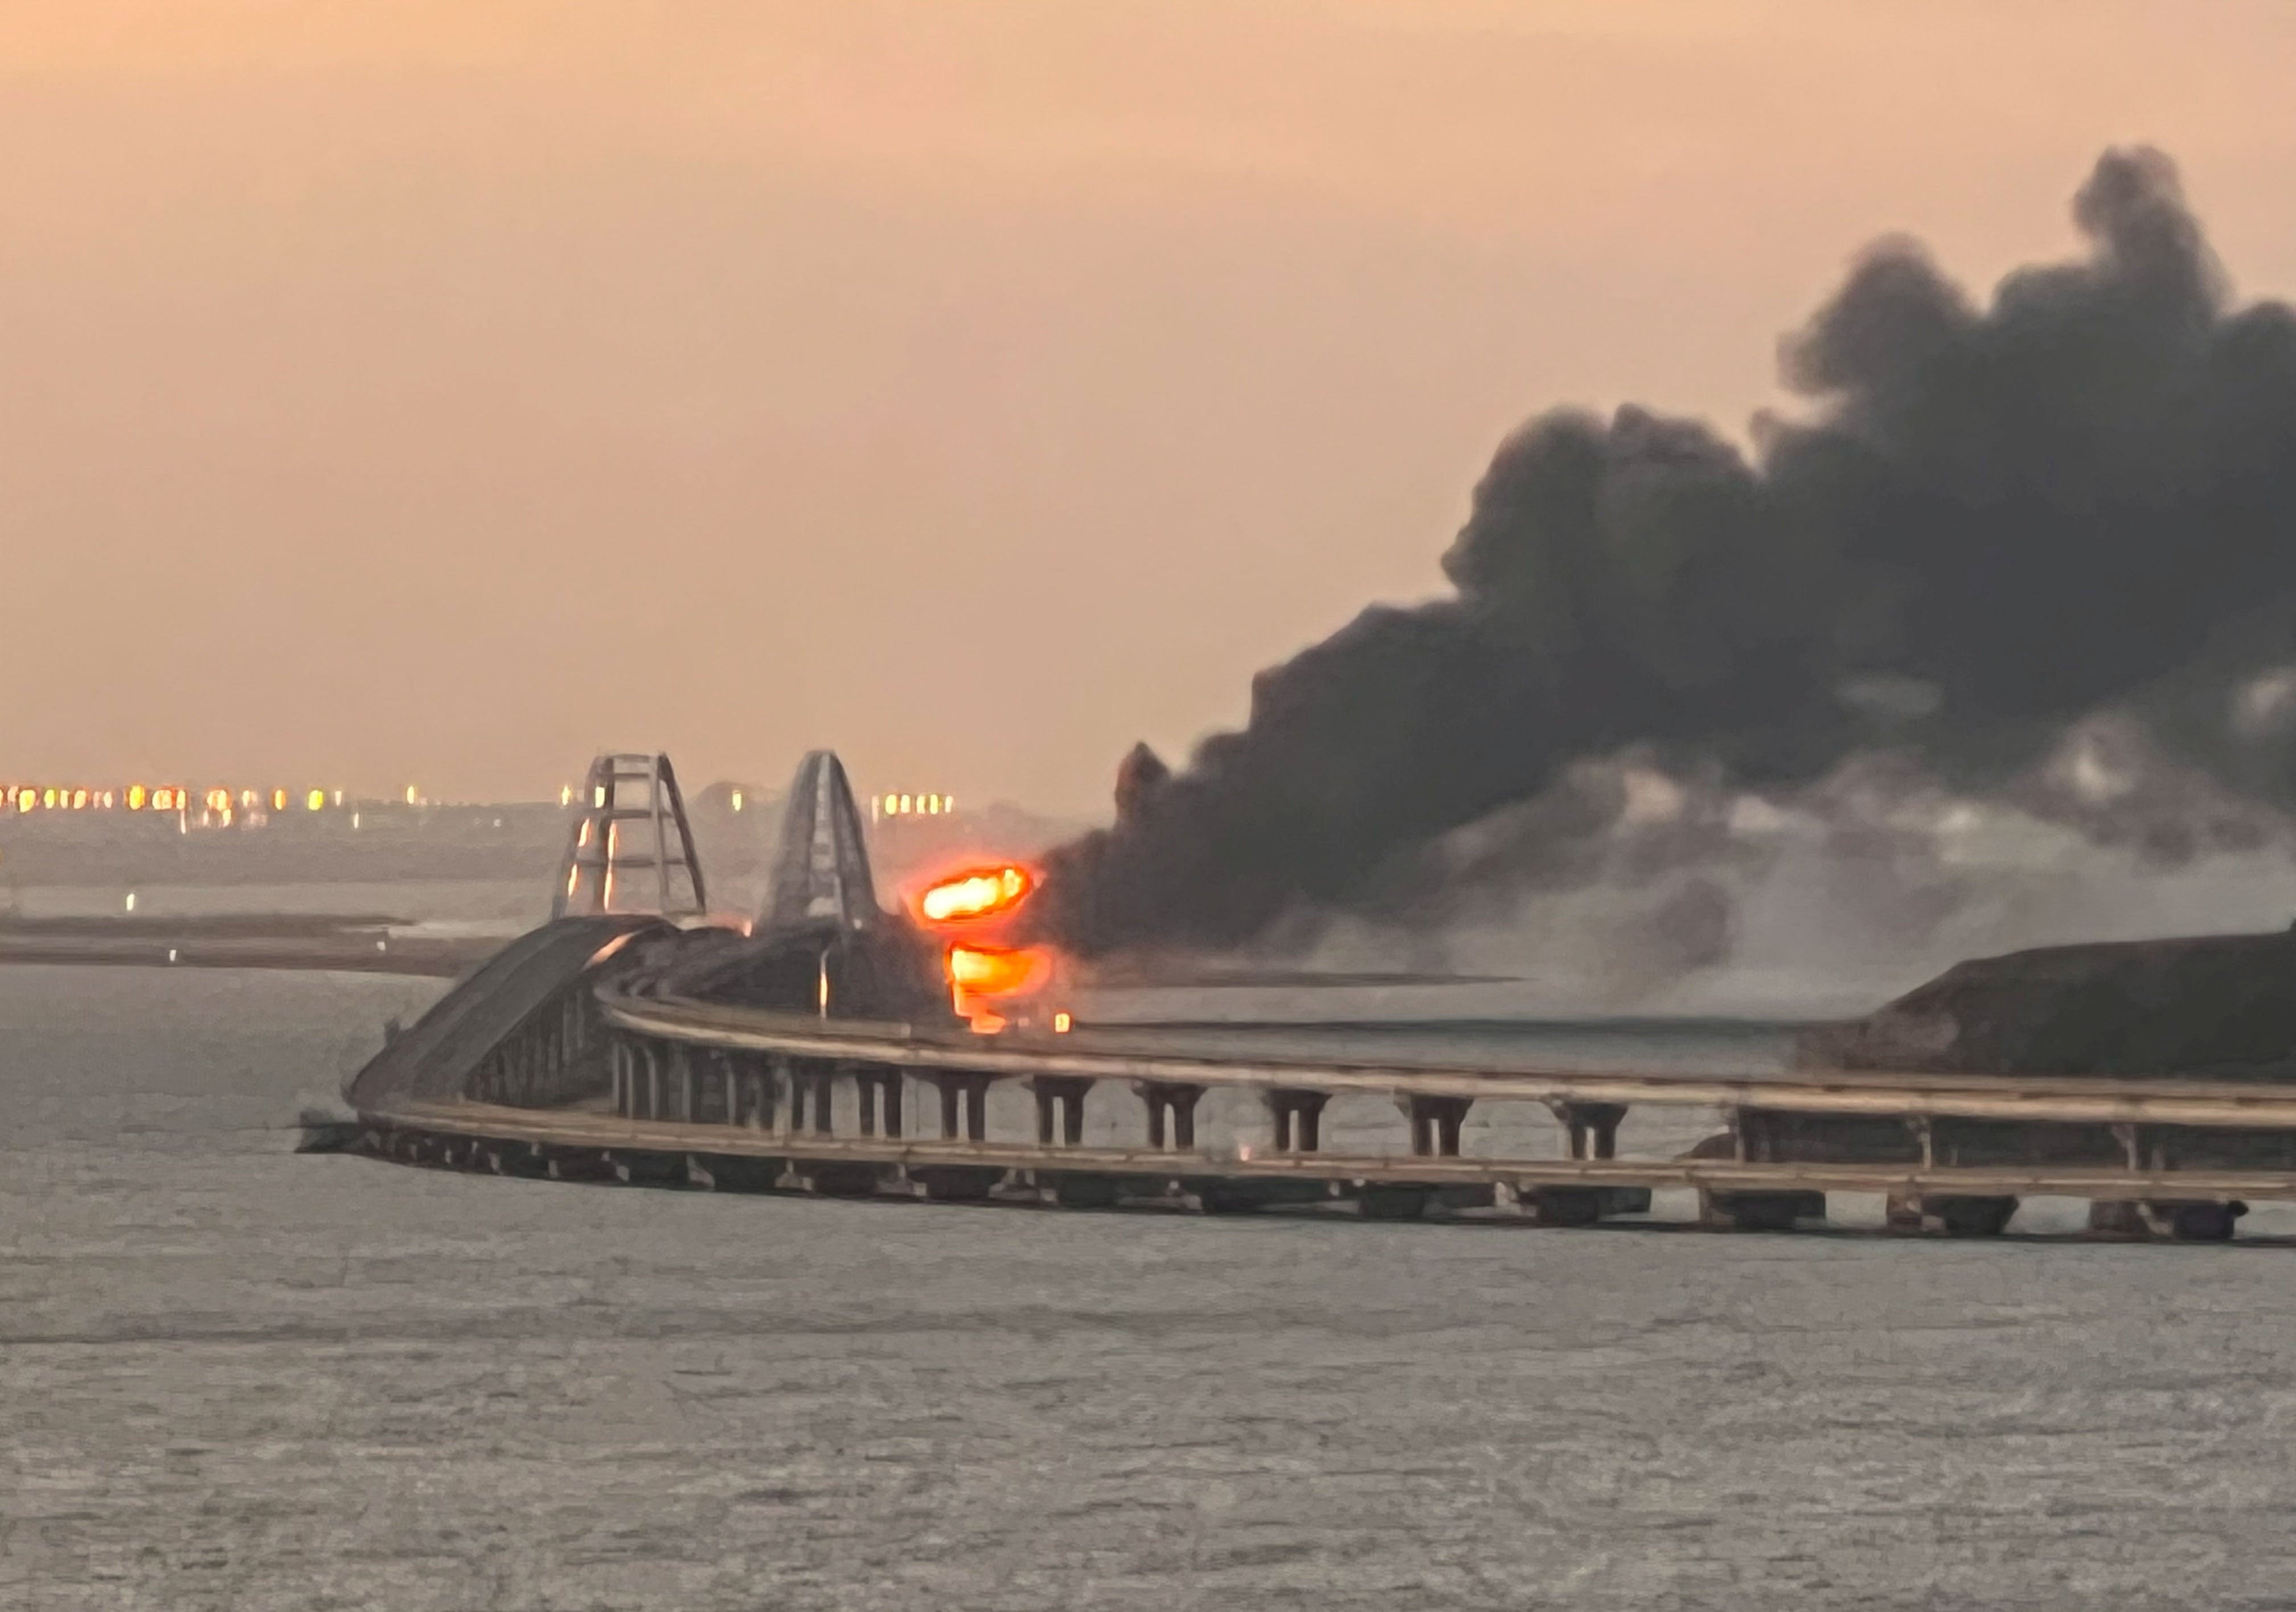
(234, 1378)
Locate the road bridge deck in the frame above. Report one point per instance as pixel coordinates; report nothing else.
(611, 1134)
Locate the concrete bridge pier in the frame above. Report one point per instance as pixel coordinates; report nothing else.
(1060, 1111)
(2150, 1148)
(752, 1089)
(733, 1172)
(772, 1088)
(2190, 1221)
(618, 1076)
(1590, 1129)
(518, 1158)
(878, 1090)
(1299, 1119)
(1060, 1096)
(578, 1165)
(1955, 1215)
(709, 1080)
(1435, 1123)
(1758, 1136)
(812, 1089)
(1171, 1108)
(645, 1167)
(681, 1060)
(638, 1078)
(963, 1117)
(1590, 1132)
(964, 1103)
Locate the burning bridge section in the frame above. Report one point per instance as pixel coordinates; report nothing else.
(996, 981)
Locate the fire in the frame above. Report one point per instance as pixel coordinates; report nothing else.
(998, 970)
(978, 893)
(985, 979)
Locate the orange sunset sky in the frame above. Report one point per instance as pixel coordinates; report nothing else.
(440, 392)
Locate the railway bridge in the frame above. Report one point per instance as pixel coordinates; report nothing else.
(636, 1038)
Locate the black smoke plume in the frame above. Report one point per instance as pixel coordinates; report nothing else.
(1989, 526)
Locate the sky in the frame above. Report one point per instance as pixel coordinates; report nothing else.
(395, 391)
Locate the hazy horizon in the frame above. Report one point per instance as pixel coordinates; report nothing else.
(440, 394)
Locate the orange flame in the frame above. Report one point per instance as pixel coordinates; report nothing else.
(998, 970)
(978, 893)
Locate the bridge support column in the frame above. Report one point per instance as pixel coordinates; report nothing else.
(1171, 1101)
(1590, 1132)
(876, 1089)
(1065, 1093)
(1299, 1117)
(812, 1086)
(641, 1072)
(746, 1100)
(765, 1092)
(728, 1067)
(781, 1089)
(1590, 1129)
(964, 1103)
(1435, 1123)
(715, 1095)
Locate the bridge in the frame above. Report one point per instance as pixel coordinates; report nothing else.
(634, 1038)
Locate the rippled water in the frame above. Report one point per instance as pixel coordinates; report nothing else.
(234, 1377)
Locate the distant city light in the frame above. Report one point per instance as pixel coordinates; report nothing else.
(737, 799)
(566, 794)
(215, 805)
(911, 805)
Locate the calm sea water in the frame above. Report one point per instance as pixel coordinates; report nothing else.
(234, 1377)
